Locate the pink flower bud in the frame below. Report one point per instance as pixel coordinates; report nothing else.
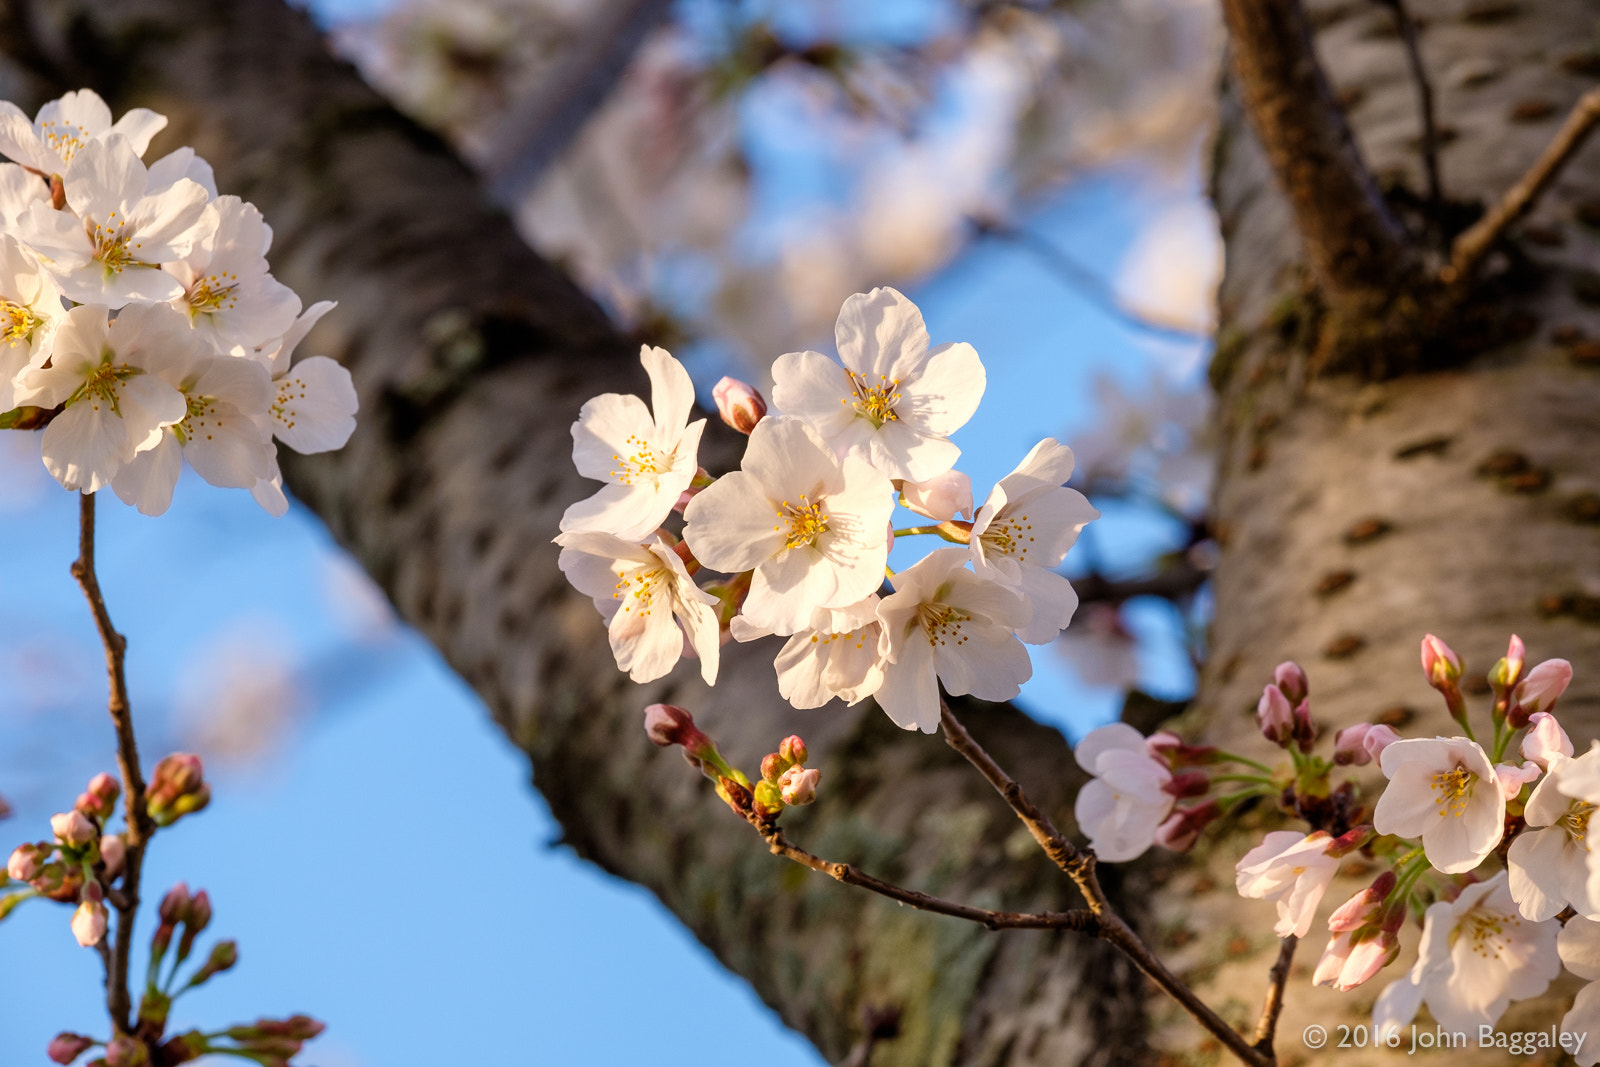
(99, 800)
(1539, 690)
(668, 724)
(1366, 959)
(793, 749)
(66, 1047)
(773, 765)
(1348, 841)
(1363, 908)
(113, 852)
(199, 916)
(1439, 663)
(25, 862)
(177, 788)
(1288, 677)
(1379, 738)
(1168, 748)
(1546, 740)
(1508, 672)
(1191, 783)
(1512, 777)
(799, 785)
(1275, 716)
(739, 404)
(89, 921)
(942, 497)
(1305, 731)
(175, 905)
(127, 1052)
(1350, 745)
(1182, 828)
(72, 829)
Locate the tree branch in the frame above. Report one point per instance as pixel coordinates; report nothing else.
(118, 1002)
(1472, 246)
(1430, 134)
(1267, 1027)
(1356, 247)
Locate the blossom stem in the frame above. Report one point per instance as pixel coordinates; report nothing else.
(1235, 758)
(948, 530)
(1257, 778)
(140, 827)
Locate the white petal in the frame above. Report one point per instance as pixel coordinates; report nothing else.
(815, 388)
(315, 406)
(671, 391)
(1116, 735)
(942, 397)
(608, 431)
(731, 525)
(146, 481)
(227, 448)
(84, 445)
(1579, 947)
(1534, 865)
(138, 125)
(909, 694)
(881, 332)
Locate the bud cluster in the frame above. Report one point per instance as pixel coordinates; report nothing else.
(77, 865)
(177, 788)
(785, 779)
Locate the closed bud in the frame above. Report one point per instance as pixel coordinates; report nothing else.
(773, 765)
(1439, 663)
(1289, 677)
(793, 749)
(1275, 716)
(668, 724)
(1169, 748)
(224, 954)
(25, 862)
(66, 1047)
(1191, 783)
(739, 404)
(1539, 690)
(768, 800)
(184, 1047)
(1182, 828)
(199, 916)
(1349, 841)
(1363, 908)
(175, 905)
(1305, 731)
(799, 785)
(296, 1027)
(1379, 738)
(1546, 740)
(1508, 672)
(72, 829)
(942, 497)
(177, 788)
(89, 921)
(99, 800)
(1350, 745)
(113, 853)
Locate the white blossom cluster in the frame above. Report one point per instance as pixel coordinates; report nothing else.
(138, 313)
(1489, 936)
(801, 531)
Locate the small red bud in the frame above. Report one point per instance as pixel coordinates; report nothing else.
(739, 404)
(793, 749)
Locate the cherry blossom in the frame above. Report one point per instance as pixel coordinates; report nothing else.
(1293, 869)
(942, 497)
(1025, 529)
(1545, 740)
(116, 401)
(836, 657)
(1579, 947)
(30, 311)
(1444, 790)
(50, 142)
(18, 189)
(227, 292)
(894, 402)
(1478, 954)
(645, 595)
(1549, 861)
(647, 457)
(1124, 804)
(109, 248)
(812, 527)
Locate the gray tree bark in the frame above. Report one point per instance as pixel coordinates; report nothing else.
(472, 356)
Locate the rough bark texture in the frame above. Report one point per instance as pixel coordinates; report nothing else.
(1481, 480)
(471, 357)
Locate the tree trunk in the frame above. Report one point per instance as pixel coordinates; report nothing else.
(471, 357)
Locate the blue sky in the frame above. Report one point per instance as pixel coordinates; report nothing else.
(334, 859)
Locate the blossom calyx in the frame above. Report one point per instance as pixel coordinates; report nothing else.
(1349, 841)
(766, 800)
(1175, 752)
(798, 785)
(1180, 830)
(739, 403)
(127, 1051)
(1190, 783)
(66, 1047)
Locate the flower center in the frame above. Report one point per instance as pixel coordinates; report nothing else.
(637, 588)
(100, 387)
(860, 638)
(212, 292)
(807, 522)
(1010, 535)
(873, 402)
(942, 623)
(1485, 932)
(16, 322)
(64, 137)
(645, 461)
(1454, 789)
(200, 420)
(1576, 820)
(112, 247)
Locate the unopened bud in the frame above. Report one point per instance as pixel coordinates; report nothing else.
(739, 404)
(1545, 741)
(113, 852)
(183, 1048)
(1513, 777)
(127, 1051)
(1539, 690)
(799, 785)
(66, 1047)
(224, 954)
(1289, 677)
(793, 749)
(1361, 909)
(99, 800)
(175, 905)
(1439, 663)
(177, 788)
(668, 724)
(767, 800)
(1275, 716)
(1182, 828)
(72, 829)
(25, 862)
(772, 765)
(199, 911)
(89, 921)
(1379, 738)
(1349, 841)
(1169, 748)
(942, 497)
(1305, 731)
(1191, 783)
(1350, 745)
(1508, 672)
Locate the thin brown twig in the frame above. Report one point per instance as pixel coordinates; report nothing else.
(1079, 865)
(1469, 250)
(118, 1001)
(1079, 919)
(1430, 133)
(1267, 1026)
